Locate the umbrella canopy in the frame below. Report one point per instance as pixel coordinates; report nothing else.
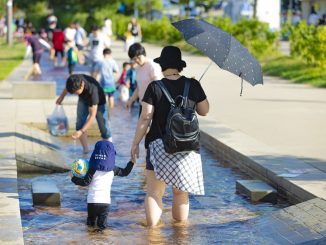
(227, 52)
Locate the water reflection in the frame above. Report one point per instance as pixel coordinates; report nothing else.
(219, 217)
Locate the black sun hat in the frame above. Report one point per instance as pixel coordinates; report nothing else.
(170, 58)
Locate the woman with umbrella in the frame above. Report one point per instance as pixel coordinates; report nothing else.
(187, 174)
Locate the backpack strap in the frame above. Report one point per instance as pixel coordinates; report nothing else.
(165, 92)
(185, 93)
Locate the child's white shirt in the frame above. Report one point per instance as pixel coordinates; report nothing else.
(99, 190)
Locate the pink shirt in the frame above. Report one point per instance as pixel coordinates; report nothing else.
(145, 75)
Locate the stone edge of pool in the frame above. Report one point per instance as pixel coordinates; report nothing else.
(263, 162)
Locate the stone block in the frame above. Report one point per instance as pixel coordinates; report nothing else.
(33, 90)
(45, 193)
(256, 190)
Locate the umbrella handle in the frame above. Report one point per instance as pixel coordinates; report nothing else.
(205, 70)
(241, 86)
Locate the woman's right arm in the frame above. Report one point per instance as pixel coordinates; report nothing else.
(202, 107)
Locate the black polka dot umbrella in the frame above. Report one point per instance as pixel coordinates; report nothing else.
(227, 52)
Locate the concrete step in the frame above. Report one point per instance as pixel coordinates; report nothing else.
(257, 190)
(33, 90)
(38, 151)
(45, 193)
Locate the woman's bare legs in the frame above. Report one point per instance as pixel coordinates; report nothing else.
(153, 199)
(180, 205)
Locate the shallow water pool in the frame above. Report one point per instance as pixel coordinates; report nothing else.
(219, 217)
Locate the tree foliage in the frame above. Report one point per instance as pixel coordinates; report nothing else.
(86, 12)
(309, 43)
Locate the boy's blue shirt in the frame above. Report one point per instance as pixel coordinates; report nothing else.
(131, 75)
(107, 68)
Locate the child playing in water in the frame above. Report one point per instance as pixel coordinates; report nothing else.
(123, 77)
(99, 178)
(123, 83)
(131, 78)
(104, 71)
(71, 56)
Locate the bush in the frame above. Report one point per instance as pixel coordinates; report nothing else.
(309, 43)
(255, 36)
(160, 30)
(223, 23)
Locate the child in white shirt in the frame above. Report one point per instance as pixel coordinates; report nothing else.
(99, 178)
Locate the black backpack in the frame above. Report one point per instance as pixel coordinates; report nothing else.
(182, 128)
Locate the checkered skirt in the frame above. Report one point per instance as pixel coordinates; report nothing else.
(183, 170)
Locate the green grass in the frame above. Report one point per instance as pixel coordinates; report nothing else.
(295, 70)
(10, 57)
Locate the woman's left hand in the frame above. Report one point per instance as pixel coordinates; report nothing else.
(135, 151)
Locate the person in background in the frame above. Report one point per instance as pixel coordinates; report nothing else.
(70, 32)
(99, 178)
(313, 18)
(107, 30)
(97, 44)
(123, 77)
(322, 21)
(37, 45)
(80, 36)
(72, 58)
(58, 45)
(52, 25)
(105, 70)
(135, 30)
(296, 18)
(131, 78)
(146, 72)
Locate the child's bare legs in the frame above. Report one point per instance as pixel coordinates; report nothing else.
(180, 205)
(111, 102)
(153, 199)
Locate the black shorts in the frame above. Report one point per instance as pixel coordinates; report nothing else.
(149, 165)
(56, 52)
(37, 58)
(140, 109)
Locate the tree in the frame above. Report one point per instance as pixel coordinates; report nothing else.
(255, 9)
